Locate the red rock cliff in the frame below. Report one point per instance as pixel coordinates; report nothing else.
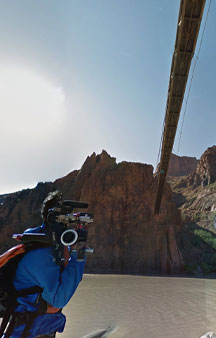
(205, 173)
(206, 169)
(182, 165)
(126, 236)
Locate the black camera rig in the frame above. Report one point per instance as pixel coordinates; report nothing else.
(62, 227)
(67, 227)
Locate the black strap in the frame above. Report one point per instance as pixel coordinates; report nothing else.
(4, 322)
(32, 316)
(14, 317)
(10, 328)
(28, 291)
(20, 318)
(28, 317)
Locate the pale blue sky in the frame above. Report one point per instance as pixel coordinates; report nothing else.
(82, 76)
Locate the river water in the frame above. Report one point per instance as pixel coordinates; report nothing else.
(142, 306)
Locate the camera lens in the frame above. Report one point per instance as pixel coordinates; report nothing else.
(69, 237)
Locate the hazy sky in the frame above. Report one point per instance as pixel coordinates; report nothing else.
(80, 76)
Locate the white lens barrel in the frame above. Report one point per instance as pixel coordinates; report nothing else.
(64, 236)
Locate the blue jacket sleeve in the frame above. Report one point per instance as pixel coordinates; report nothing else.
(59, 290)
(38, 268)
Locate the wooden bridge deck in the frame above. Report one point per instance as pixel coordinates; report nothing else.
(190, 16)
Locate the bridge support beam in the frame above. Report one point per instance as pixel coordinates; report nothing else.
(190, 16)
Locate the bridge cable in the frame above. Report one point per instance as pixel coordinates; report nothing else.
(192, 76)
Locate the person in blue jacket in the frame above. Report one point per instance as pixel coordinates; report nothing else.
(40, 313)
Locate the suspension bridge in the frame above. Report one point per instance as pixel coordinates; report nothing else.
(189, 20)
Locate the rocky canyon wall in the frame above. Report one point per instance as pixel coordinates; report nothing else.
(126, 235)
(182, 165)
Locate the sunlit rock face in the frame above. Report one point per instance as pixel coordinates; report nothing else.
(126, 236)
(195, 195)
(205, 173)
(206, 169)
(182, 165)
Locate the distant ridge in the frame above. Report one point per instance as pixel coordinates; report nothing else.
(182, 165)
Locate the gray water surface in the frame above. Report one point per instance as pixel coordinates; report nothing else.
(140, 306)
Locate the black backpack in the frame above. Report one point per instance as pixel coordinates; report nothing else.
(7, 291)
(8, 294)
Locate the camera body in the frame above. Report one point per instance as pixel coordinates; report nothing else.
(67, 228)
(63, 227)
